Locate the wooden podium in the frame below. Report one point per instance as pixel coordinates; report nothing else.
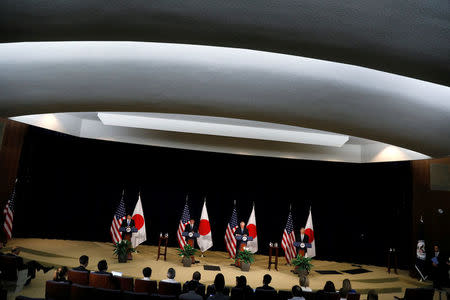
(244, 239)
(303, 247)
(127, 233)
(190, 240)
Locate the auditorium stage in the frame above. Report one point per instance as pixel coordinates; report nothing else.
(66, 252)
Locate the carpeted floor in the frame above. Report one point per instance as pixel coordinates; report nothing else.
(66, 252)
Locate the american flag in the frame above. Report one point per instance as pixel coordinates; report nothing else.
(8, 213)
(230, 240)
(119, 216)
(185, 218)
(287, 242)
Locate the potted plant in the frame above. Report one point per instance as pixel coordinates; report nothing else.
(122, 249)
(186, 253)
(302, 265)
(244, 259)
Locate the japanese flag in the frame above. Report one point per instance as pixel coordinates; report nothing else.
(204, 241)
(309, 230)
(139, 221)
(251, 226)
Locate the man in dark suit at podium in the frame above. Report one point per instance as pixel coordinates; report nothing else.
(191, 227)
(302, 238)
(128, 222)
(241, 231)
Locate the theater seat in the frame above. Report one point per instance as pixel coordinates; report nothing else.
(309, 295)
(28, 298)
(284, 295)
(416, 294)
(123, 283)
(81, 292)
(145, 286)
(79, 277)
(127, 295)
(353, 296)
(103, 281)
(57, 290)
(266, 294)
(166, 288)
(103, 294)
(327, 296)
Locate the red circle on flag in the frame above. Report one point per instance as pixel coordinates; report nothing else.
(252, 230)
(310, 233)
(204, 227)
(138, 221)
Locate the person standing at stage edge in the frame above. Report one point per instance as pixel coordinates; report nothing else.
(241, 231)
(191, 227)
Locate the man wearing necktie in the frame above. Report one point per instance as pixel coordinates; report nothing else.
(302, 238)
(241, 231)
(127, 223)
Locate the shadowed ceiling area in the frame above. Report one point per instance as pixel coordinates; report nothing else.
(409, 38)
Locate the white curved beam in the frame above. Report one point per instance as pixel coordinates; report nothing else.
(225, 82)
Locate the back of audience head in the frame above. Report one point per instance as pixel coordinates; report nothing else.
(329, 287)
(102, 265)
(297, 291)
(84, 260)
(171, 273)
(61, 274)
(346, 285)
(304, 281)
(241, 281)
(372, 295)
(219, 282)
(147, 272)
(196, 276)
(267, 279)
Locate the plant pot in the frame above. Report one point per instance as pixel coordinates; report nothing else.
(187, 262)
(245, 267)
(301, 272)
(123, 258)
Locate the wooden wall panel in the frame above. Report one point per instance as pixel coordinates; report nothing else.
(426, 203)
(10, 151)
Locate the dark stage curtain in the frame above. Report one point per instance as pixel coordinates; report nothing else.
(70, 188)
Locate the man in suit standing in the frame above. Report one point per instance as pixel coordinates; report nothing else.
(302, 238)
(191, 227)
(84, 261)
(127, 223)
(241, 231)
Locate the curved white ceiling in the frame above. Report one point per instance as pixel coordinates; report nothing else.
(225, 82)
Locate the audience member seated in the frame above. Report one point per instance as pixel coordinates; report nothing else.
(196, 277)
(147, 272)
(297, 293)
(372, 295)
(343, 294)
(61, 274)
(347, 286)
(328, 288)
(304, 284)
(219, 286)
(267, 279)
(192, 292)
(241, 283)
(31, 266)
(84, 261)
(102, 267)
(170, 276)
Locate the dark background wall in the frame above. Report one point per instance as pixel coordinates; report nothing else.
(69, 188)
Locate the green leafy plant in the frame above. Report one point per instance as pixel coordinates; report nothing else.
(188, 251)
(122, 248)
(245, 256)
(302, 263)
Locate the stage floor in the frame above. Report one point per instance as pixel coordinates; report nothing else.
(66, 252)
